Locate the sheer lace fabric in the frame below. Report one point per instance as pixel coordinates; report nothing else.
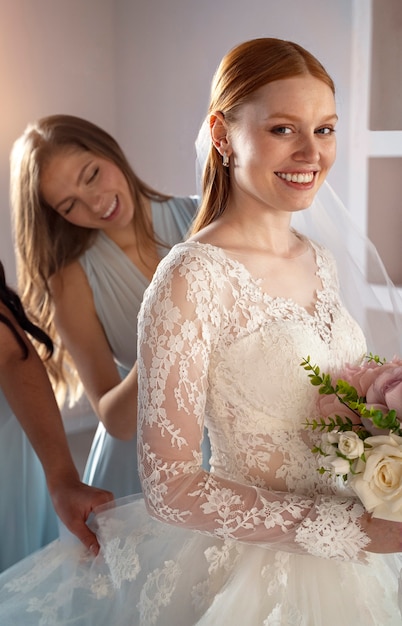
(276, 543)
(232, 352)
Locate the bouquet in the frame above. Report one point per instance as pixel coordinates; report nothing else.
(361, 427)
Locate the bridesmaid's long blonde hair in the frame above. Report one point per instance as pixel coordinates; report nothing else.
(46, 242)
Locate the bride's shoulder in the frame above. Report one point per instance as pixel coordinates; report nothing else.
(181, 259)
(191, 251)
(322, 252)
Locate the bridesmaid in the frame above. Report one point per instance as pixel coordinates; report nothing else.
(89, 236)
(27, 403)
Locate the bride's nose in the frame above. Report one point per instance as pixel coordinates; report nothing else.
(307, 149)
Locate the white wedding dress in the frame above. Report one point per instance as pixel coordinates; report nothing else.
(263, 539)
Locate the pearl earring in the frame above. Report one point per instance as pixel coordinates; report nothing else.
(225, 161)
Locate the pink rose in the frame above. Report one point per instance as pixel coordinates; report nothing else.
(386, 389)
(329, 406)
(380, 386)
(361, 377)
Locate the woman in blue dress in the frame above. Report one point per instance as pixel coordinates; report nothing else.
(35, 460)
(89, 236)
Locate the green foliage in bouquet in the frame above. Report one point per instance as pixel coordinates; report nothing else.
(349, 397)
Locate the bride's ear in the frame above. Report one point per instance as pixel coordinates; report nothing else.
(219, 135)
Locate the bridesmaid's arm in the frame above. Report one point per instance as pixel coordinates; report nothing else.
(28, 391)
(113, 400)
(121, 400)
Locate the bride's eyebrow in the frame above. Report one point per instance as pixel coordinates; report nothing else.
(295, 118)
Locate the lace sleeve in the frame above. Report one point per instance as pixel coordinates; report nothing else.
(179, 325)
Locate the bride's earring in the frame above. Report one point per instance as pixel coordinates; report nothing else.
(225, 161)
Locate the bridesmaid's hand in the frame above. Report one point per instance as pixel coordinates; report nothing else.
(74, 501)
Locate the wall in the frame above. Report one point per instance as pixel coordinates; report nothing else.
(55, 56)
(142, 69)
(167, 53)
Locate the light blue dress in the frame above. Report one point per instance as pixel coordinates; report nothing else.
(28, 520)
(118, 288)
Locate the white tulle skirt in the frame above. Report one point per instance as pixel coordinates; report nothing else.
(149, 573)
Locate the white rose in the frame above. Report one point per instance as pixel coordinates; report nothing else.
(329, 441)
(350, 445)
(339, 465)
(379, 483)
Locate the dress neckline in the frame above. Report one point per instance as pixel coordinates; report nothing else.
(290, 304)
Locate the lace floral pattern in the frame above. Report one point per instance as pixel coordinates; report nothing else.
(231, 353)
(228, 354)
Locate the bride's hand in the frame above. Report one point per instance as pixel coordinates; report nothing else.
(385, 537)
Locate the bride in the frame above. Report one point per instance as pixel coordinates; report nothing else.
(262, 538)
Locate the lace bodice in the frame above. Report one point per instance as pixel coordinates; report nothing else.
(215, 347)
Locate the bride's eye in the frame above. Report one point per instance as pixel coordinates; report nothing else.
(282, 130)
(325, 130)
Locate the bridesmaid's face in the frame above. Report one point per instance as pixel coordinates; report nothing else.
(87, 190)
